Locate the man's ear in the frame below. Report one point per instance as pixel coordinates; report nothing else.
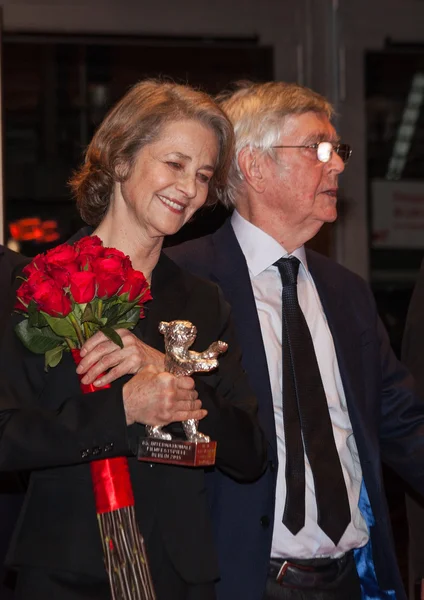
(251, 165)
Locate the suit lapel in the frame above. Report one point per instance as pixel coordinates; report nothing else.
(343, 327)
(231, 273)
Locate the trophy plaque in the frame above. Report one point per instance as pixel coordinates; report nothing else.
(197, 450)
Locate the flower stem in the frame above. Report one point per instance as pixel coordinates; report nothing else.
(86, 330)
(99, 308)
(71, 344)
(77, 329)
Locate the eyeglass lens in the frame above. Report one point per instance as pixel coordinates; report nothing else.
(325, 150)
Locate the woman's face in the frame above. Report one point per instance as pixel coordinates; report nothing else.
(170, 178)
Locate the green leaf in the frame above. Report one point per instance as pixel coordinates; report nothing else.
(60, 326)
(132, 316)
(111, 313)
(90, 317)
(36, 319)
(53, 357)
(35, 339)
(123, 325)
(88, 313)
(90, 329)
(113, 336)
(78, 310)
(121, 310)
(32, 307)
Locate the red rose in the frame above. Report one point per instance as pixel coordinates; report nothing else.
(108, 284)
(88, 248)
(110, 275)
(62, 275)
(136, 285)
(88, 255)
(61, 255)
(83, 286)
(87, 242)
(36, 278)
(23, 296)
(51, 299)
(37, 264)
(26, 290)
(114, 253)
(60, 263)
(110, 252)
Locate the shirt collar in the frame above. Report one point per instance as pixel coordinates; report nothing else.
(261, 250)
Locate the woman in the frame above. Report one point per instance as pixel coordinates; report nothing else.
(158, 156)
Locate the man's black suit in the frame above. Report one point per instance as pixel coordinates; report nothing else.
(46, 424)
(413, 358)
(386, 418)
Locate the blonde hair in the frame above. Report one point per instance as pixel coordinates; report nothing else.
(257, 112)
(135, 121)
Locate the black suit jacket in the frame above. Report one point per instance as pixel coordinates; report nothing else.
(413, 357)
(386, 416)
(47, 425)
(11, 484)
(9, 263)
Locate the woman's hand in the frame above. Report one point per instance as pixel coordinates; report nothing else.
(154, 397)
(99, 354)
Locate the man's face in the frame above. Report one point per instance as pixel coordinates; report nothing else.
(300, 191)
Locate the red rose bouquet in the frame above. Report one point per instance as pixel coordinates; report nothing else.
(67, 295)
(71, 292)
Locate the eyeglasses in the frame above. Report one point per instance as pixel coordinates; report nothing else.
(325, 150)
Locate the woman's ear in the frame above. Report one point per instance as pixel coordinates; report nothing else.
(251, 165)
(122, 171)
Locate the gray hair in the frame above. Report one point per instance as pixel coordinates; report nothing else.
(257, 112)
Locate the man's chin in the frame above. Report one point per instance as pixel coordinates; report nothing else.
(331, 215)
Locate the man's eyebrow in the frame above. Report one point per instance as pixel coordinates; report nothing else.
(182, 156)
(316, 138)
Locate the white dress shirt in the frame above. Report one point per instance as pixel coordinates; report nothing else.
(261, 252)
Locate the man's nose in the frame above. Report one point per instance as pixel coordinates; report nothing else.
(336, 164)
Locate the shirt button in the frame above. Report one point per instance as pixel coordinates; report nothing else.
(264, 521)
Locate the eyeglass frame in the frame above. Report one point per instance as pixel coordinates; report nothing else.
(335, 148)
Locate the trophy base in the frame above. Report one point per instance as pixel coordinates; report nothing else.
(177, 452)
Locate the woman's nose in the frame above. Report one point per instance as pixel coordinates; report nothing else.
(187, 185)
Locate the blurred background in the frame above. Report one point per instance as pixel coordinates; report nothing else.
(65, 62)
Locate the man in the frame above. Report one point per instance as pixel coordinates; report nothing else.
(413, 357)
(11, 485)
(308, 529)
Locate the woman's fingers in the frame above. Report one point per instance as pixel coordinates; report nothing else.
(157, 398)
(103, 361)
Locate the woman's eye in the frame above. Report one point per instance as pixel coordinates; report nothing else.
(175, 165)
(204, 178)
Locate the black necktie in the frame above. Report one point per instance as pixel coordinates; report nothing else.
(307, 423)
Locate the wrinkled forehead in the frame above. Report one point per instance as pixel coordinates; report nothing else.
(307, 128)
